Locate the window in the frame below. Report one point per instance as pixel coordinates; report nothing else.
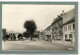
(65, 28)
(70, 35)
(69, 27)
(73, 26)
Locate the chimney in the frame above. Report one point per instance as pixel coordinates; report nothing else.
(58, 16)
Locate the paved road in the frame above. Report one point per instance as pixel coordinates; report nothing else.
(37, 45)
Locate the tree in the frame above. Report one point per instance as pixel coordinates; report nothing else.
(4, 34)
(4, 31)
(25, 34)
(30, 27)
(19, 36)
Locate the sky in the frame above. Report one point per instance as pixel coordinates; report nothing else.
(14, 15)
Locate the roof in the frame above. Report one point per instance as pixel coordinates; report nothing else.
(68, 15)
(57, 19)
(70, 21)
(48, 27)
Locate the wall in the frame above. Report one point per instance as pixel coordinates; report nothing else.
(72, 31)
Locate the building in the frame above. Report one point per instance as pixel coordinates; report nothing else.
(41, 35)
(12, 35)
(69, 26)
(37, 33)
(48, 33)
(57, 29)
(62, 28)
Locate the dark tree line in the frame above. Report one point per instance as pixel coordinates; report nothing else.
(30, 27)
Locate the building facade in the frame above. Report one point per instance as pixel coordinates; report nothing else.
(69, 26)
(48, 33)
(62, 28)
(57, 29)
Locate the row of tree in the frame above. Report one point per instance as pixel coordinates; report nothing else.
(30, 27)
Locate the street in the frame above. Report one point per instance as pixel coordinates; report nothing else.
(38, 45)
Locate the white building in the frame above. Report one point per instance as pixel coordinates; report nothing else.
(69, 26)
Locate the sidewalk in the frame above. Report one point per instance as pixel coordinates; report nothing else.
(63, 42)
